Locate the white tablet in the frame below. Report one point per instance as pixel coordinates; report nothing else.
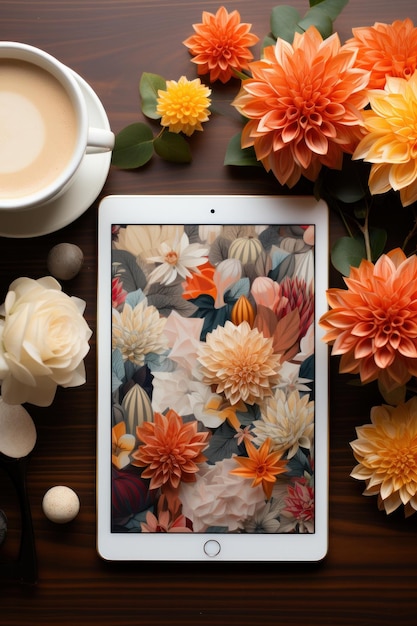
(212, 378)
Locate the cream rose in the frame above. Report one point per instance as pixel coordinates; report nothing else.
(43, 341)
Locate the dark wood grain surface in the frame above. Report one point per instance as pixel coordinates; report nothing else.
(369, 577)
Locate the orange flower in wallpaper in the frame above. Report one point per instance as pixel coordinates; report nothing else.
(386, 50)
(221, 44)
(373, 323)
(200, 282)
(170, 450)
(262, 465)
(169, 518)
(303, 102)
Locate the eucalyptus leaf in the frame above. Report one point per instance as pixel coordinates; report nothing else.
(236, 155)
(173, 147)
(269, 40)
(318, 18)
(394, 396)
(378, 239)
(133, 146)
(284, 22)
(332, 8)
(347, 252)
(148, 89)
(348, 185)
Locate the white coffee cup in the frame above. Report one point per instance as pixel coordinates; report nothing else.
(44, 127)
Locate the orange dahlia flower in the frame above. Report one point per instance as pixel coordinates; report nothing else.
(303, 102)
(373, 324)
(386, 50)
(391, 139)
(221, 44)
(171, 450)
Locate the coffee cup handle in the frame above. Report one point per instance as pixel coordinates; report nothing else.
(99, 140)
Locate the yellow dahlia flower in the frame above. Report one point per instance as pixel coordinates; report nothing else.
(386, 451)
(183, 106)
(391, 139)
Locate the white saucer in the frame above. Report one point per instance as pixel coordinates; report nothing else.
(80, 196)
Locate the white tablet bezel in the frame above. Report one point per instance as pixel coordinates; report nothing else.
(209, 209)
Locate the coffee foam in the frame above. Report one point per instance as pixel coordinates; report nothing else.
(38, 128)
(22, 134)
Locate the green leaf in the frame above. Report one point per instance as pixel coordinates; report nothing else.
(269, 40)
(133, 146)
(394, 396)
(350, 184)
(172, 147)
(284, 22)
(378, 239)
(318, 18)
(347, 252)
(332, 8)
(236, 155)
(148, 90)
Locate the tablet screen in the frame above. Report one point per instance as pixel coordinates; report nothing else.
(214, 376)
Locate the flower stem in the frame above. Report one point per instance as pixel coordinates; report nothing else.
(241, 75)
(365, 232)
(345, 223)
(411, 233)
(364, 228)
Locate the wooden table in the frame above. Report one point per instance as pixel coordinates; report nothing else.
(370, 574)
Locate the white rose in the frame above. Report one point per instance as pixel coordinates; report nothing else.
(43, 341)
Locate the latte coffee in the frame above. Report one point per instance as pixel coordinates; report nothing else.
(38, 128)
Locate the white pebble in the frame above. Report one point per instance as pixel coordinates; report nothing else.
(60, 504)
(65, 261)
(17, 430)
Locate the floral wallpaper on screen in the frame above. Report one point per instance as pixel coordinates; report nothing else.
(213, 378)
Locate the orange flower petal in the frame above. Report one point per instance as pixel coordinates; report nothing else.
(303, 103)
(220, 45)
(373, 323)
(386, 50)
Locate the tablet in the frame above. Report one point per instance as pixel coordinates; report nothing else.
(212, 378)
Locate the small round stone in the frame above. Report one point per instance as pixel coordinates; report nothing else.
(65, 261)
(60, 504)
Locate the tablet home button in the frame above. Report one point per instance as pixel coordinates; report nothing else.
(212, 547)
